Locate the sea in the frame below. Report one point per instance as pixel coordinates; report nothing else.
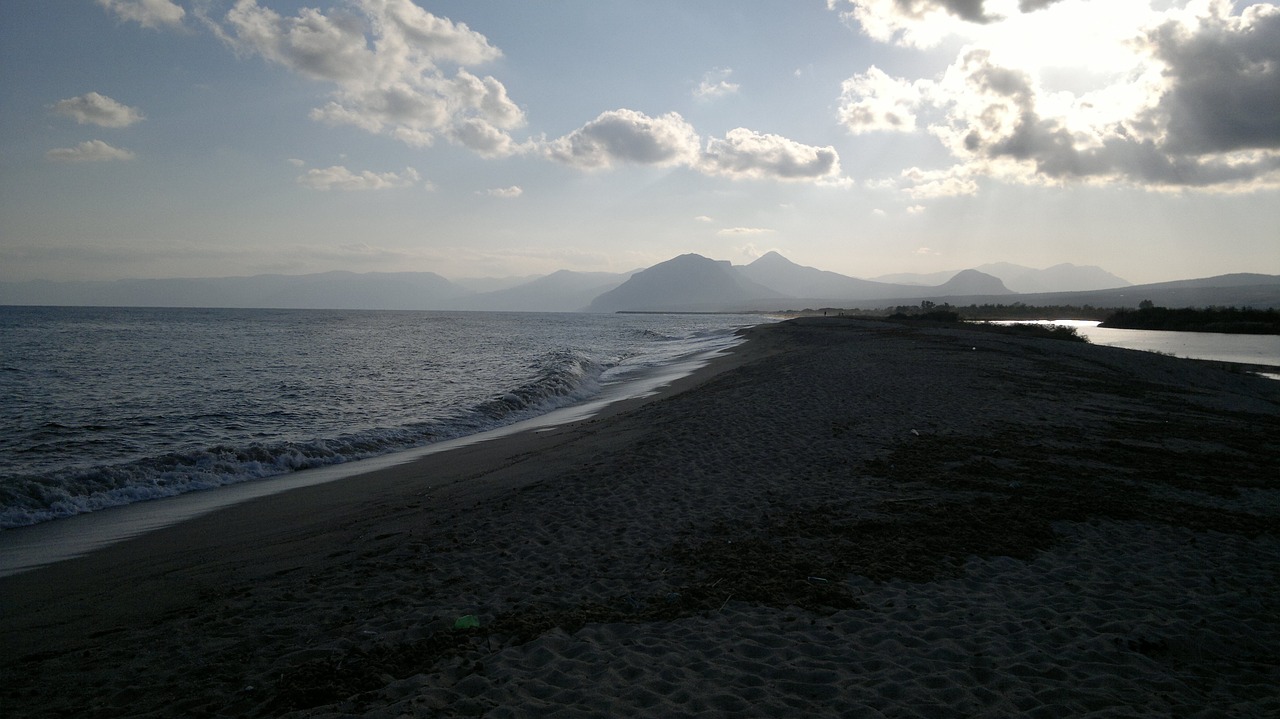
(103, 407)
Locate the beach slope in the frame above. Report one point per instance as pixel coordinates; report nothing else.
(841, 518)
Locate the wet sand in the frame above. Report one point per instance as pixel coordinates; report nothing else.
(840, 518)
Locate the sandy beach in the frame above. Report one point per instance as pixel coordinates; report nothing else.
(840, 518)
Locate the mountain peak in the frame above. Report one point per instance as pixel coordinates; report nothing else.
(770, 257)
(686, 282)
(973, 282)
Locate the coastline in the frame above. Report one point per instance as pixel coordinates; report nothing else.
(836, 516)
(26, 548)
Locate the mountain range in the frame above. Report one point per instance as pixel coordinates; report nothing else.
(1065, 277)
(686, 283)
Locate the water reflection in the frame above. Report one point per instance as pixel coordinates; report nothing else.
(1244, 349)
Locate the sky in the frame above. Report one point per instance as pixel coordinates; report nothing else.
(206, 138)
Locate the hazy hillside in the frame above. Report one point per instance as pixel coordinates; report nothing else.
(788, 278)
(329, 290)
(972, 282)
(1236, 290)
(493, 284)
(688, 282)
(561, 291)
(1065, 277)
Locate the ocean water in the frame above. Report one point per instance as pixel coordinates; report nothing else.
(102, 407)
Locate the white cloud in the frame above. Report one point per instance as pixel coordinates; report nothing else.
(386, 58)
(703, 218)
(748, 154)
(91, 151)
(751, 252)
(338, 177)
(486, 140)
(745, 231)
(874, 101)
(95, 109)
(628, 136)
(715, 84)
(915, 209)
(147, 13)
(925, 184)
(506, 193)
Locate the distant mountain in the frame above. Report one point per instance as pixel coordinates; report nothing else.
(788, 278)
(972, 282)
(561, 291)
(329, 290)
(493, 284)
(686, 283)
(1065, 277)
(1235, 290)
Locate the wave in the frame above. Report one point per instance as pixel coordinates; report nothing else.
(559, 379)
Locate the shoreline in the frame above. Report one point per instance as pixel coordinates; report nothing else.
(835, 516)
(26, 548)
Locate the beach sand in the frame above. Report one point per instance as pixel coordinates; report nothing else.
(841, 518)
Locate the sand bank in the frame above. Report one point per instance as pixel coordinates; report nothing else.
(841, 518)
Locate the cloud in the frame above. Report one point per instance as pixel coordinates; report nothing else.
(752, 252)
(703, 218)
(1192, 107)
(744, 153)
(1033, 5)
(506, 193)
(1224, 74)
(913, 23)
(745, 231)
(338, 177)
(925, 23)
(91, 151)
(387, 60)
(921, 184)
(147, 13)
(715, 84)
(94, 109)
(874, 101)
(915, 209)
(627, 136)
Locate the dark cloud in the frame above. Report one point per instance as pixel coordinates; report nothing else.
(1033, 5)
(1225, 83)
(970, 10)
(1011, 127)
(974, 11)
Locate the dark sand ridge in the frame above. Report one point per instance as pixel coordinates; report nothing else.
(842, 518)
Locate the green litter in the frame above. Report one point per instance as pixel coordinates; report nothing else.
(467, 621)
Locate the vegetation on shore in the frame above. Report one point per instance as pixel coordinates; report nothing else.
(1185, 319)
(988, 312)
